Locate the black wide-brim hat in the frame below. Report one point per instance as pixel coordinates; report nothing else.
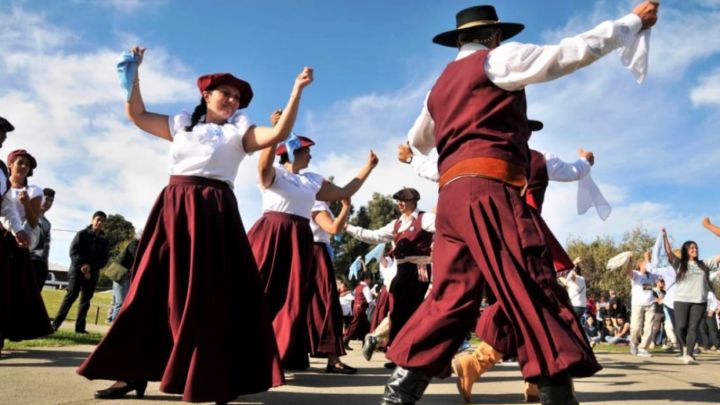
(476, 17)
(535, 125)
(6, 125)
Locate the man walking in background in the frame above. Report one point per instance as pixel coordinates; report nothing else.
(88, 254)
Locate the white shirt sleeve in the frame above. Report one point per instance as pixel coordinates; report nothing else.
(10, 216)
(384, 234)
(559, 170)
(422, 134)
(428, 222)
(367, 294)
(512, 65)
(425, 167)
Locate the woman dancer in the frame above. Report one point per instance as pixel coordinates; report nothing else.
(324, 317)
(195, 291)
(25, 316)
(282, 241)
(692, 286)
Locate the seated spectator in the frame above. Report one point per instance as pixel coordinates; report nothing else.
(592, 330)
(616, 308)
(621, 335)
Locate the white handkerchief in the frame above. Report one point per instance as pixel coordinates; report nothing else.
(634, 55)
(619, 261)
(589, 195)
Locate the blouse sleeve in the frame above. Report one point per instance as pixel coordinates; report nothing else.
(34, 192)
(242, 125)
(315, 181)
(177, 123)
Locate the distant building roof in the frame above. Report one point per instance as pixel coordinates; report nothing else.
(57, 267)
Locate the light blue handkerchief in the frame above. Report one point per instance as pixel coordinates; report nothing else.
(292, 144)
(127, 71)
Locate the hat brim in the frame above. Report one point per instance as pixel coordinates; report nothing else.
(449, 38)
(535, 125)
(304, 143)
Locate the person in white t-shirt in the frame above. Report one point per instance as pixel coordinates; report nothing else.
(642, 307)
(196, 317)
(577, 291)
(282, 241)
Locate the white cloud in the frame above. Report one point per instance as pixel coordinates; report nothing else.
(708, 90)
(67, 110)
(124, 6)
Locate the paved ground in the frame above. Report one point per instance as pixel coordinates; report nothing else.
(46, 376)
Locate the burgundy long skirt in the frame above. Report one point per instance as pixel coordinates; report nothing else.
(486, 234)
(195, 317)
(282, 245)
(22, 311)
(382, 307)
(324, 316)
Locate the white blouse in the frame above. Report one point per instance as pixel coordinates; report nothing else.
(319, 235)
(210, 150)
(292, 193)
(12, 212)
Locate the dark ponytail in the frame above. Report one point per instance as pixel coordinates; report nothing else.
(200, 110)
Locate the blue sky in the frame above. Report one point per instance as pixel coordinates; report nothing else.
(656, 145)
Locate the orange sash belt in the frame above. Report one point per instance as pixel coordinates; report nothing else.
(489, 167)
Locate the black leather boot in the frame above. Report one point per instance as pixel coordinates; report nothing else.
(405, 387)
(557, 390)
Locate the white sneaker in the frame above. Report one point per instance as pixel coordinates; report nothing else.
(689, 360)
(633, 349)
(643, 353)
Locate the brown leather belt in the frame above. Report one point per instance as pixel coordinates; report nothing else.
(489, 167)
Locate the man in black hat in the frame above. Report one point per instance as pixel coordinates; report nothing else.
(476, 116)
(412, 236)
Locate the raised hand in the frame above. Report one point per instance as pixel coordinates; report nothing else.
(139, 53)
(647, 11)
(587, 155)
(405, 153)
(275, 116)
(372, 160)
(304, 78)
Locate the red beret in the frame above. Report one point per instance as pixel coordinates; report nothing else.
(214, 80)
(22, 152)
(305, 142)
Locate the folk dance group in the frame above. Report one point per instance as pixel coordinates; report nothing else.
(185, 324)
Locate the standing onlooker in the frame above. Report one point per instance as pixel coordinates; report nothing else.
(577, 290)
(667, 272)
(693, 285)
(120, 288)
(642, 307)
(658, 334)
(40, 253)
(88, 254)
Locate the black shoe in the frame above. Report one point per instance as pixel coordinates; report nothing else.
(390, 365)
(557, 390)
(405, 387)
(120, 392)
(55, 327)
(369, 345)
(340, 368)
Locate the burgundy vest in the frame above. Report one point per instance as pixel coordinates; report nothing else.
(360, 301)
(413, 241)
(537, 180)
(475, 118)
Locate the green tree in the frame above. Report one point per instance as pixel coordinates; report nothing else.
(595, 255)
(119, 232)
(380, 211)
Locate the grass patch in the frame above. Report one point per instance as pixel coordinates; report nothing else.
(58, 339)
(99, 306)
